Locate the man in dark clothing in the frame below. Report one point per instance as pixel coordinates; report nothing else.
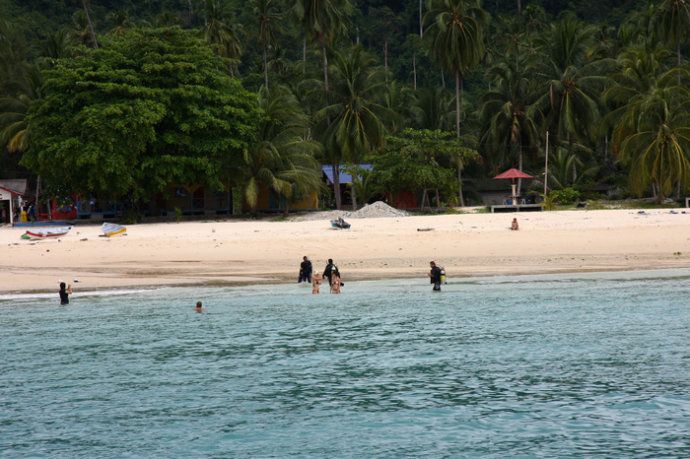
(435, 276)
(330, 270)
(65, 292)
(305, 270)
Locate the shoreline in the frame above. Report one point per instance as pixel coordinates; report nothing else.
(667, 273)
(247, 252)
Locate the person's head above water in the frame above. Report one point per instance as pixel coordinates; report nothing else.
(304, 258)
(432, 263)
(62, 286)
(198, 305)
(330, 260)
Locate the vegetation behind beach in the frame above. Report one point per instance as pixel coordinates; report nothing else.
(124, 99)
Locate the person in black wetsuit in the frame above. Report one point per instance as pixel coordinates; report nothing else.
(305, 270)
(65, 292)
(435, 276)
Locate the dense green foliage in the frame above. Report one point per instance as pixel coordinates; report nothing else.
(97, 97)
(151, 108)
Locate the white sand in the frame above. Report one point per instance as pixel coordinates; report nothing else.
(257, 251)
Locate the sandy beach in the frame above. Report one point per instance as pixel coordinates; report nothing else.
(249, 251)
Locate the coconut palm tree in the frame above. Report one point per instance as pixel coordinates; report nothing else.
(657, 153)
(432, 108)
(266, 11)
(568, 102)
(353, 119)
(458, 39)
(456, 27)
(221, 32)
(14, 110)
(322, 21)
(280, 158)
(508, 129)
(672, 23)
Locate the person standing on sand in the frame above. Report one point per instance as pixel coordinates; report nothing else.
(435, 276)
(65, 292)
(305, 270)
(514, 225)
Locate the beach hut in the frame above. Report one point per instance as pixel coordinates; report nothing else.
(10, 195)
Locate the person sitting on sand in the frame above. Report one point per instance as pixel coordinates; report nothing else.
(65, 292)
(316, 283)
(199, 307)
(514, 225)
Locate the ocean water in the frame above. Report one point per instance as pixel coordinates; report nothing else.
(552, 366)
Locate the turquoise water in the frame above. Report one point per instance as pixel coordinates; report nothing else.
(576, 365)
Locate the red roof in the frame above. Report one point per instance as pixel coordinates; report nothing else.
(513, 174)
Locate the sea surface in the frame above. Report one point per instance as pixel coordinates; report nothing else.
(577, 365)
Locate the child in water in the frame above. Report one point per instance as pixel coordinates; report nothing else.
(199, 307)
(316, 283)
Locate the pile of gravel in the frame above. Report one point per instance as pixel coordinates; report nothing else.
(379, 209)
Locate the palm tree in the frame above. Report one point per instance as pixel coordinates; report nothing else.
(569, 99)
(220, 32)
(280, 158)
(353, 119)
(14, 110)
(322, 21)
(432, 108)
(121, 21)
(658, 152)
(269, 16)
(672, 23)
(507, 124)
(458, 45)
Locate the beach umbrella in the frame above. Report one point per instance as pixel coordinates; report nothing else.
(513, 174)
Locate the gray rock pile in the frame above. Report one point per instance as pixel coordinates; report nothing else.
(379, 209)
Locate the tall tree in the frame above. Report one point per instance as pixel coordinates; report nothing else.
(672, 23)
(268, 15)
(458, 45)
(153, 109)
(353, 120)
(221, 32)
(323, 21)
(507, 125)
(280, 158)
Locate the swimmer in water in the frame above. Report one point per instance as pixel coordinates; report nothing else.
(199, 307)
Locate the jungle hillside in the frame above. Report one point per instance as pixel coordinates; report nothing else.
(123, 98)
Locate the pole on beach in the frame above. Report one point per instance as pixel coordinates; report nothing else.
(546, 165)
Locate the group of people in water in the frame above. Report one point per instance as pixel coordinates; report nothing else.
(331, 273)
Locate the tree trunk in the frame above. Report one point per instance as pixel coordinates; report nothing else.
(414, 70)
(325, 66)
(519, 185)
(457, 133)
(385, 55)
(438, 199)
(336, 184)
(679, 57)
(519, 6)
(421, 21)
(457, 104)
(265, 69)
(38, 194)
(304, 55)
(443, 80)
(354, 195)
(92, 32)
(424, 199)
